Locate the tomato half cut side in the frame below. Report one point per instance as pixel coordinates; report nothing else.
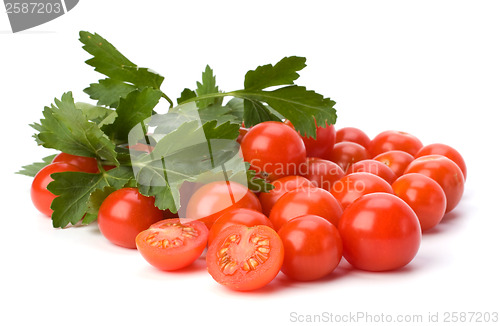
(171, 244)
(245, 258)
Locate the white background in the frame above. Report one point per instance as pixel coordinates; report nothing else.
(430, 68)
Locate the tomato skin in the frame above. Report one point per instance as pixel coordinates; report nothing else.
(281, 186)
(347, 153)
(305, 201)
(212, 200)
(273, 149)
(374, 167)
(321, 146)
(244, 258)
(172, 244)
(390, 140)
(243, 216)
(322, 173)
(445, 172)
(124, 214)
(242, 132)
(354, 135)
(424, 195)
(85, 164)
(313, 248)
(354, 185)
(398, 161)
(445, 150)
(379, 232)
(40, 196)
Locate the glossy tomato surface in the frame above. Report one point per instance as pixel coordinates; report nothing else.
(124, 214)
(346, 153)
(445, 150)
(173, 243)
(379, 232)
(244, 258)
(322, 144)
(398, 161)
(322, 173)
(243, 216)
(305, 201)
(354, 135)
(445, 172)
(40, 196)
(212, 200)
(85, 164)
(424, 195)
(313, 248)
(394, 140)
(373, 167)
(355, 185)
(281, 186)
(273, 149)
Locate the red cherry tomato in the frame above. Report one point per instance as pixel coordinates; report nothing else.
(322, 173)
(244, 258)
(171, 244)
(212, 200)
(398, 161)
(355, 185)
(313, 248)
(40, 196)
(445, 172)
(445, 150)
(379, 232)
(243, 216)
(347, 153)
(321, 146)
(373, 167)
(394, 140)
(273, 149)
(84, 164)
(305, 201)
(124, 214)
(281, 186)
(354, 135)
(424, 196)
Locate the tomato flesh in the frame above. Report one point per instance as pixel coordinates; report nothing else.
(244, 258)
(172, 244)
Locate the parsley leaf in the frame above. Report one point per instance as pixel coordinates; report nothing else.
(282, 73)
(32, 169)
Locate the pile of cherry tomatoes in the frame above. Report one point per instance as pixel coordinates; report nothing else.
(339, 195)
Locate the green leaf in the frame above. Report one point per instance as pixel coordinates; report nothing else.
(94, 202)
(186, 95)
(108, 91)
(73, 190)
(255, 112)
(67, 129)
(283, 73)
(98, 114)
(137, 106)
(207, 86)
(255, 183)
(32, 169)
(109, 61)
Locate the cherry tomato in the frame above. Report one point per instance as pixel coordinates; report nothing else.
(172, 244)
(305, 201)
(274, 150)
(394, 140)
(322, 173)
(355, 185)
(445, 172)
(373, 167)
(354, 135)
(424, 195)
(379, 232)
(212, 200)
(445, 150)
(397, 160)
(84, 164)
(242, 132)
(40, 196)
(347, 153)
(321, 146)
(243, 216)
(313, 248)
(244, 258)
(281, 186)
(124, 214)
